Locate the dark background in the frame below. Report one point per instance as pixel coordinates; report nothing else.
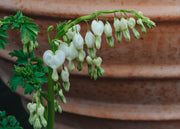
(11, 103)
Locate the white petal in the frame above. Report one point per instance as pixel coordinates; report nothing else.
(97, 27)
(108, 30)
(78, 41)
(90, 39)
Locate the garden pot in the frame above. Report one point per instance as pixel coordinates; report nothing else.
(141, 80)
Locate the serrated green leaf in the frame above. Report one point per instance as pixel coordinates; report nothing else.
(14, 81)
(28, 89)
(3, 34)
(38, 74)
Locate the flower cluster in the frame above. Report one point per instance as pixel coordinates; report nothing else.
(72, 46)
(36, 115)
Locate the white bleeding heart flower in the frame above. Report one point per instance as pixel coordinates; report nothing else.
(97, 27)
(40, 110)
(108, 30)
(78, 41)
(90, 39)
(37, 123)
(72, 31)
(65, 75)
(89, 60)
(31, 107)
(54, 61)
(70, 51)
(97, 61)
(131, 22)
(118, 29)
(124, 27)
(43, 121)
(117, 25)
(124, 24)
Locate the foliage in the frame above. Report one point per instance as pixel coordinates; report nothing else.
(28, 73)
(8, 122)
(28, 29)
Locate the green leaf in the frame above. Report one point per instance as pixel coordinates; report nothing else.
(14, 81)
(28, 89)
(3, 34)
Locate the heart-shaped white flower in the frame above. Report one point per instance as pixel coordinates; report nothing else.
(117, 25)
(97, 61)
(131, 22)
(89, 39)
(54, 61)
(97, 27)
(123, 24)
(72, 31)
(108, 30)
(70, 51)
(78, 41)
(65, 75)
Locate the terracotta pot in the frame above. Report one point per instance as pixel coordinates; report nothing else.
(142, 76)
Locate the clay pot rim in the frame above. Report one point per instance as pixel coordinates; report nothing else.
(62, 9)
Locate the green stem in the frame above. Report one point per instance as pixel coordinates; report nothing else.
(88, 17)
(50, 104)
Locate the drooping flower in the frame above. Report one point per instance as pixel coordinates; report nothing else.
(89, 39)
(54, 61)
(72, 31)
(65, 75)
(97, 28)
(108, 33)
(131, 23)
(124, 27)
(118, 30)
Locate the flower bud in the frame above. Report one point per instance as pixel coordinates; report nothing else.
(59, 109)
(97, 61)
(89, 39)
(31, 107)
(118, 30)
(117, 25)
(78, 41)
(89, 60)
(139, 22)
(31, 120)
(65, 75)
(43, 121)
(108, 30)
(97, 27)
(71, 66)
(131, 22)
(124, 24)
(50, 28)
(40, 110)
(135, 33)
(62, 97)
(72, 31)
(37, 123)
(66, 86)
